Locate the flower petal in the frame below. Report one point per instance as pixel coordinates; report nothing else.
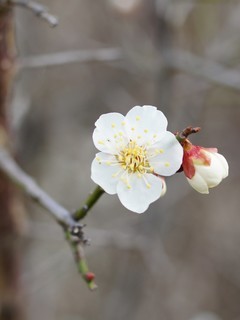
(198, 183)
(145, 124)
(110, 134)
(139, 192)
(165, 156)
(164, 187)
(104, 143)
(104, 172)
(211, 174)
(223, 161)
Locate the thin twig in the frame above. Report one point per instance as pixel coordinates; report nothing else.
(29, 186)
(91, 200)
(61, 58)
(10, 168)
(38, 9)
(81, 262)
(202, 67)
(183, 135)
(184, 61)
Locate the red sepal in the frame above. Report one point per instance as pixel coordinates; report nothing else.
(194, 155)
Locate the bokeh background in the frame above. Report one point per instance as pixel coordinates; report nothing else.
(181, 259)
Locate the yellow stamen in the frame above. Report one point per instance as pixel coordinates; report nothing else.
(133, 158)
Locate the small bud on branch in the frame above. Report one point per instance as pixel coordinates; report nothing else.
(183, 135)
(89, 276)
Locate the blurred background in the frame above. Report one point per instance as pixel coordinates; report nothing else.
(181, 259)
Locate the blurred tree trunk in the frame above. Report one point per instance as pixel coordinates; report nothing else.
(9, 256)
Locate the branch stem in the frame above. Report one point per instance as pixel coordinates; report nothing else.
(91, 200)
(31, 188)
(81, 261)
(183, 135)
(38, 9)
(10, 168)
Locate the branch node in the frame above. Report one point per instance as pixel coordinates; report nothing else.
(78, 234)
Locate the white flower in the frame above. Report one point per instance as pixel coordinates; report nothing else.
(135, 151)
(204, 167)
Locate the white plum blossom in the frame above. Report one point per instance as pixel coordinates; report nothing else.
(204, 167)
(135, 151)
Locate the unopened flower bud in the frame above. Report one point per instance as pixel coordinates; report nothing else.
(204, 167)
(89, 276)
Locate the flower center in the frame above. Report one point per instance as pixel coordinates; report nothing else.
(133, 158)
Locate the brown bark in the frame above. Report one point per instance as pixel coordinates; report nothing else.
(9, 264)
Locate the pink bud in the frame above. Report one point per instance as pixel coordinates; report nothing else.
(89, 276)
(204, 167)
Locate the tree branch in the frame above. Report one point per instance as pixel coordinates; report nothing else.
(202, 67)
(29, 186)
(73, 230)
(81, 262)
(38, 9)
(185, 61)
(60, 58)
